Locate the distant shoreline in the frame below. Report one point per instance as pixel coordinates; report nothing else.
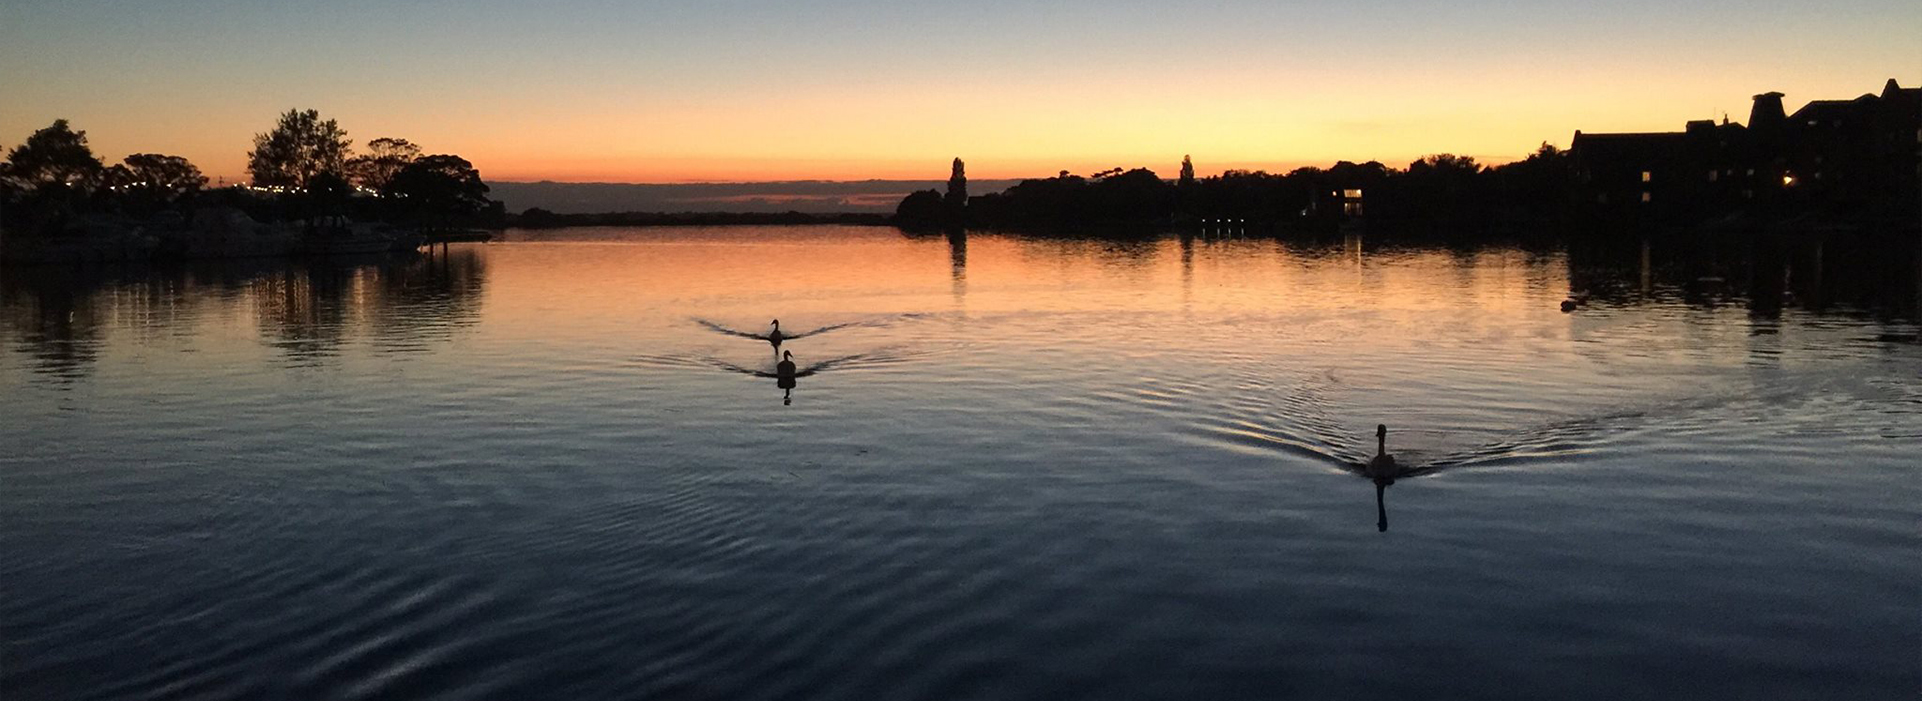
(537, 219)
(817, 197)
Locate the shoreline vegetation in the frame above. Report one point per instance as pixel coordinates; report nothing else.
(309, 194)
(536, 218)
(1833, 166)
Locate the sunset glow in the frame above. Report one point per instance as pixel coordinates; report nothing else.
(655, 92)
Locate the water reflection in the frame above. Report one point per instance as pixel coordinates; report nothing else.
(53, 322)
(1766, 274)
(958, 265)
(60, 317)
(1110, 427)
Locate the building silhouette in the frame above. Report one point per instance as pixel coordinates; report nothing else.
(1859, 157)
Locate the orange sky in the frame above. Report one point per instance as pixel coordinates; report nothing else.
(863, 89)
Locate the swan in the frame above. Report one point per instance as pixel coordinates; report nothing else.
(1384, 464)
(784, 377)
(775, 336)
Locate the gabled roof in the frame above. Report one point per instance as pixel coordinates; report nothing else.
(1636, 145)
(1628, 136)
(1824, 110)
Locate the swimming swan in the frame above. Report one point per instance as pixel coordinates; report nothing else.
(1384, 464)
(1383, 470)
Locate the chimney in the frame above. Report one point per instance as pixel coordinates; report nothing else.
(1767, 113)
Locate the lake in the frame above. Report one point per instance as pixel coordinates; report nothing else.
(1012, 467)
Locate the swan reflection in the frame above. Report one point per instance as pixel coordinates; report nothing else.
(1383, 470)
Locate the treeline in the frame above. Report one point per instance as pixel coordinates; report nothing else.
(537, 218)
(304, 168)
(1436, 191)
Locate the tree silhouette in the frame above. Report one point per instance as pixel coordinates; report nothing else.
(299, 148)
(922, 208)
(1444, 191)
(440, 188)
(1187, 172)
(116, 177)
(1444, 163)
(163, 174)
(385, 158)
(1542, 184)
(56, 154)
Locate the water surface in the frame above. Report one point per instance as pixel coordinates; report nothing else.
(1044, 468)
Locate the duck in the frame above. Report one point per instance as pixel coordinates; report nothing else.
(1383, 465)
(775, 336)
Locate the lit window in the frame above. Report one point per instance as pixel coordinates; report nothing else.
(1713, 174)
(1351, 194)
(1647, 175)
(1645, 197)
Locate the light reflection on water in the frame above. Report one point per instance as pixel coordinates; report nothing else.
(1012, 467)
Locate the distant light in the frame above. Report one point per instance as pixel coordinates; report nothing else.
(1788, 180)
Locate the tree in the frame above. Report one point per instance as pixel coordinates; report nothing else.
(1446, 191)
(56, 154)
(161, 174)
(1444, 163)
(385, 158)
(300, 148)
(922, 208)
(116, 177)
(1542, 184)
(440, 187)
(1187, 172)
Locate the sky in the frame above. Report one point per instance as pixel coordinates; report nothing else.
(749, 90)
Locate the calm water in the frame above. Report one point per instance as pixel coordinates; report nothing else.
(1022, 468)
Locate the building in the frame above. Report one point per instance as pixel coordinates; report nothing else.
(1860, 156)
(1859, 152)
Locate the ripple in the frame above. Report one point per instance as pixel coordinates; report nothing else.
(1028, 469)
